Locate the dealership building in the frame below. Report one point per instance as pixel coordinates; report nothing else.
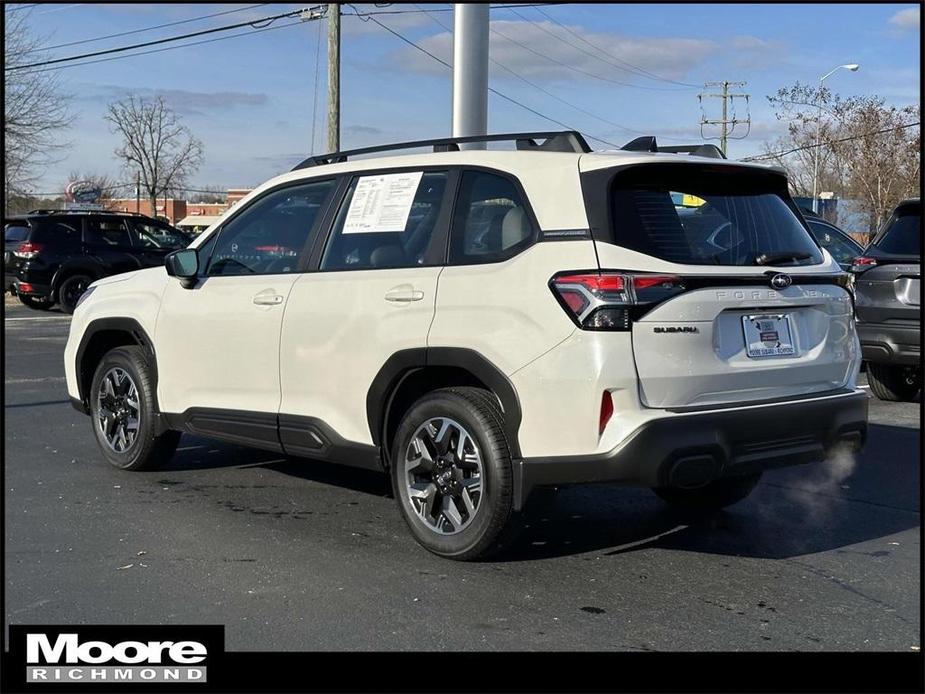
(194, 216)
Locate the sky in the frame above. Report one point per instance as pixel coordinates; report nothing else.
(258, 102)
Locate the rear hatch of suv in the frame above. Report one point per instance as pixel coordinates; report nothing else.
(888, 283)
(730, 299)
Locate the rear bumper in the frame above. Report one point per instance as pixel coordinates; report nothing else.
(691, 449)
(40, 290)
(887, 343)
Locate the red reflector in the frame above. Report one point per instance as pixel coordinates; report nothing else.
(645, 281)
(606, 411)
(24, 287)
(864, 261)
(575, 300)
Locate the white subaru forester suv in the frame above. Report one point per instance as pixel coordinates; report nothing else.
(483, 322)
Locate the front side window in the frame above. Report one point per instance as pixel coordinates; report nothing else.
(107, 233)
(156, 236)
(491, 222)
(709, 215)
(386, 221)
(268, 237)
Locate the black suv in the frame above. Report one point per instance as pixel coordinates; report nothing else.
(51, 256)
(888, 297)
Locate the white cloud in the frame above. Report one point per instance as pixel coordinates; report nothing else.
(540, 54)
(906, 19)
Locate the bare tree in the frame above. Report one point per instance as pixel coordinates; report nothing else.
(35, 108)
(867, 153)
(155, 145)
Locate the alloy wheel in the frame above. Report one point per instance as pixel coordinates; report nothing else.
(118, 413)
(443, 475)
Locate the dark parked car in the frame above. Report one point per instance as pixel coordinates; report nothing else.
(837, 242)
(52, 256)
(888, 297)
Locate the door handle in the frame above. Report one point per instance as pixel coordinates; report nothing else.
(268, 298)
(404, 293)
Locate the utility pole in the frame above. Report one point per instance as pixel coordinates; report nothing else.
(333, 77)
(725, 122)
(470, 71)
(138, 192)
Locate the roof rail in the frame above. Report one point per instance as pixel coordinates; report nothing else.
(84, 211)
(647, 143)
(553, 141)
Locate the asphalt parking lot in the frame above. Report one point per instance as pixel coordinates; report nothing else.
(299, 555)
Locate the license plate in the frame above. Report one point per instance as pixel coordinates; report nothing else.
(768, 335)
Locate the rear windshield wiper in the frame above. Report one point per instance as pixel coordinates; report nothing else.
(774, 258)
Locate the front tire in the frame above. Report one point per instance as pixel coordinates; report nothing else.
(123, 413)
(36, 302)
(71, 290)
(894, 383)
(451, 473)
(711, 497)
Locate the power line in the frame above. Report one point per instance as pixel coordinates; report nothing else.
(23, 7)
(575, 69)
(774, 155)
(490, 89)
(169, 39)
(171, 48)
(542, 89)
(632, 69)
(139, 31)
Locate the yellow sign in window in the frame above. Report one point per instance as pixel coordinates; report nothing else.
(692, 201)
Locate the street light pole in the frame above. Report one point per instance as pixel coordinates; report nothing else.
(853, 67)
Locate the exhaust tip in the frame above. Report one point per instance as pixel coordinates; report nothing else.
(694, 471)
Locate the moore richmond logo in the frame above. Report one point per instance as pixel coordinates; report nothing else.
(98, 654)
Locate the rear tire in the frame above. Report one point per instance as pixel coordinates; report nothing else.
(70, 291)
(432, 482)
(711, 497)
(38, 303)
(123, 414)
(894, 383)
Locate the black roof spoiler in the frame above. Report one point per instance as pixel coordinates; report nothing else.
(553, 141)
(647, 143)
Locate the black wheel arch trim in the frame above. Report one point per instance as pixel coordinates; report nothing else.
(84, 267)
(127, 325)
(403, 363)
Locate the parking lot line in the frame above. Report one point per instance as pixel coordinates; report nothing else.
(39, 318)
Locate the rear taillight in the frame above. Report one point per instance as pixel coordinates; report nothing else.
(610, 300)
(863, 263)
(28, 249)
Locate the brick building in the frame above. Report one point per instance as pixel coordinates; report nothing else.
(192, 215)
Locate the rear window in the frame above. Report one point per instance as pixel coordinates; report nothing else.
(903, 233)
(709, 215)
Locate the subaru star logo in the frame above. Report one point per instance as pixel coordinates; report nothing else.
(781, 281)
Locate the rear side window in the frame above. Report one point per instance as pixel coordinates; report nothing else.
(703, 215)
(840, 247)
(15, 233)
(156, 236)
(61, 235)
(491, 221)
(903, 233)
(386, 221)
(107, 232)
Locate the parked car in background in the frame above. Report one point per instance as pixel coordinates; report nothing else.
(52, 256)
(888, 296)
(837, 242)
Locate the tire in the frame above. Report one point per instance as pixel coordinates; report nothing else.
(70, 291)
(474, 415)
(711, 497)
(39, 304)
(141, 448)
(894, 383)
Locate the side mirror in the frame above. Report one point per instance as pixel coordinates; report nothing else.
(183, 264)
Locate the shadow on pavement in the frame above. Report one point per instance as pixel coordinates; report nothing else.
(794, 511)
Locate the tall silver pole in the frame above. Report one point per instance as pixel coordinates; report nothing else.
(470, 71)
